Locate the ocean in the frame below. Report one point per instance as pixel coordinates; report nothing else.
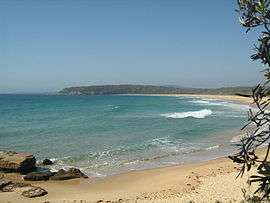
(105, 135)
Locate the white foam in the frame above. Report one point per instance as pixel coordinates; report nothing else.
(212, 147)
(161, 141)
(204, 102)
(131, 162)
(53, 159)
(195, 114)
(212, 102)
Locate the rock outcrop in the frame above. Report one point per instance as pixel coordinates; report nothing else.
(26, 164)
(38, 176)
(25, 189)
(69, 174)
(16, 162)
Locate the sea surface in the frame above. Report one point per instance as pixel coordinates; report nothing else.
(104, 135)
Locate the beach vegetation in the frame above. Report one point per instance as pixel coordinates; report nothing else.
(151, 89)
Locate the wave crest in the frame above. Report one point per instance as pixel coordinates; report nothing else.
(195, 114)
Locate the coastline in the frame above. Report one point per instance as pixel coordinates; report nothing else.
(214, 179)
(207, 181)
(229, 98)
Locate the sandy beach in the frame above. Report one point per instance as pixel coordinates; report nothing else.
(230, 98)
(208, 181)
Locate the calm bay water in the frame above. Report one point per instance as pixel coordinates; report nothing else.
(110, 134)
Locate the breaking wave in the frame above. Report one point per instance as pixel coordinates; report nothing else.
(212, 147)
(205, 102)
(195, 114)
(153, 151)
(213, 102)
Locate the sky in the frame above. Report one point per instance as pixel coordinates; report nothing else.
(48, 45)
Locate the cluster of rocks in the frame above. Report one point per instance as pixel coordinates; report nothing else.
(17, 162)
(25, 189)
(59, 175)
(25, 164)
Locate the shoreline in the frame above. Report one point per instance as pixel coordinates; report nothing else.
(229, 98)
(206, 181)
(196, 181)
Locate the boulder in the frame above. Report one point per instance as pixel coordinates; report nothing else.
(38, 176)
(69, 174)
(47, 162)
(16, 162)
(34, 192)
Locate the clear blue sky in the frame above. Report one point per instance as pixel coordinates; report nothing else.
(48, 45)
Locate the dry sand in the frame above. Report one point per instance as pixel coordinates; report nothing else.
(208, 181)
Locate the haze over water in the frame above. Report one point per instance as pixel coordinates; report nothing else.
(111, 134)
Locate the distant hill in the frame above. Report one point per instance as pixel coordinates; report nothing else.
(150, 89)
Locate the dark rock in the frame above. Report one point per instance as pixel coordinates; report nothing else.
(47, 162)
(8, 188)
(4, 183)
(16, 162)
(69, 174)
(38, 176)
(34, 192)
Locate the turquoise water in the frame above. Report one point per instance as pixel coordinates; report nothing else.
(110, 134)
